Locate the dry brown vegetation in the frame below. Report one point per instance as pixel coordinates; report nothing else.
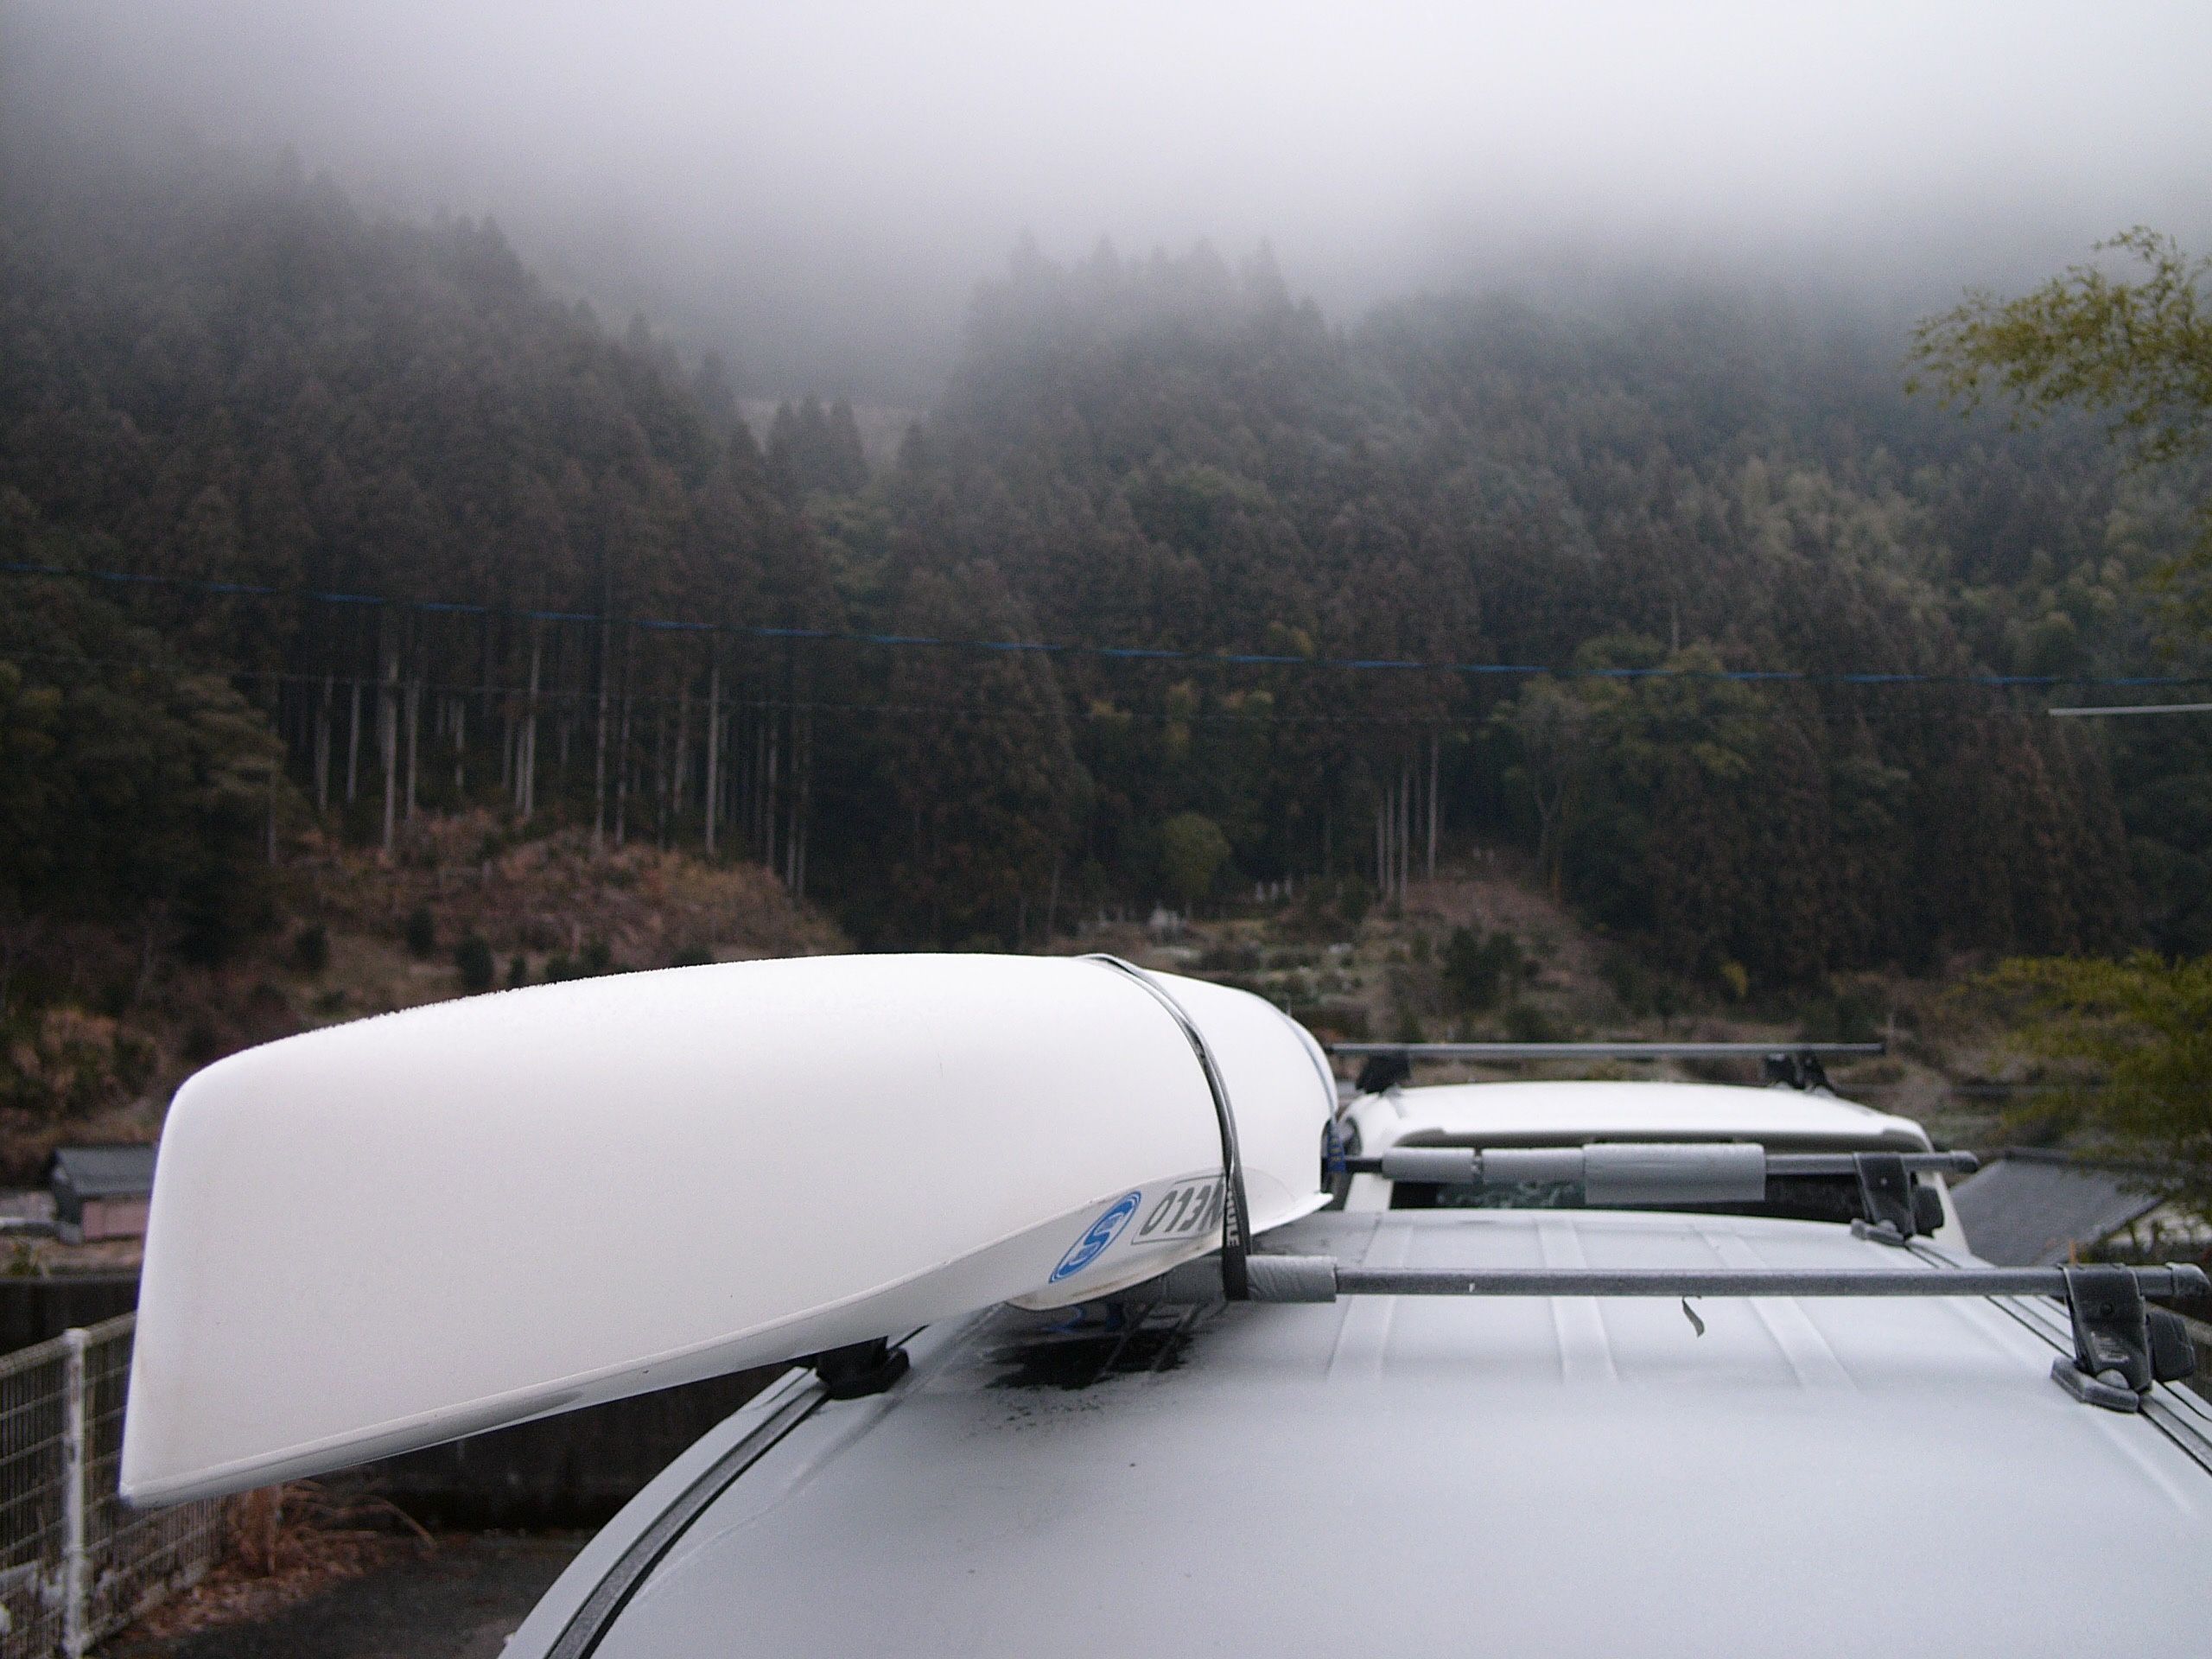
(1381, 975)
(122, 1025)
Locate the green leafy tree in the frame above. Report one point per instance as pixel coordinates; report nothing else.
(1192, 850)
(2138, 1032)
(2136, 351)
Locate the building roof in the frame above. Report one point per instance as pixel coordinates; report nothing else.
(2031, 1208)
(1417, 1475)
(101, 1172)
(1534, 1114)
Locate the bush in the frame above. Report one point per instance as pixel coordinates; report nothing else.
(1354, 899)
(1526, 1023)
(692, 955)
(311, 949)
(1478, 971)
(1630, 982)
(473, 955)
(598, 957)
(517, 970)
(420, 932)
(1231, 956)
(1193, 849)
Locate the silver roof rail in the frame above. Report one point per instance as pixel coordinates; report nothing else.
(1598, 1050)
(1795, 1065)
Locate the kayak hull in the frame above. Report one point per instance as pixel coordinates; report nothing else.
(392, 1233)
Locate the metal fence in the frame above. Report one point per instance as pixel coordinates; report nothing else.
(76, 1563)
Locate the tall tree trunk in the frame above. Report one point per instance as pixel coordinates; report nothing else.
(527, 804)
(1405, 828)
(414, 741)
(622, 771)
(679, 775)
(805, 810)
(1434, 744)
(354, 746)
(322, 749)
(461, 751)
(599, 761)
(768, 802)
(388, 742)
(714, 747)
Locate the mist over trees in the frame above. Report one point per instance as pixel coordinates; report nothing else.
(213, 371)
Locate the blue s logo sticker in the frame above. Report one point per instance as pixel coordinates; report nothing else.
(1097, 1237)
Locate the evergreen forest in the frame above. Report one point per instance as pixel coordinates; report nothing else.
(406, 534)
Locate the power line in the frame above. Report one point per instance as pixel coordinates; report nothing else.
(553, 696)
(2140, 708)
(1122, 654)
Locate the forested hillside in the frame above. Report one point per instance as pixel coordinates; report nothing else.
(501, 558)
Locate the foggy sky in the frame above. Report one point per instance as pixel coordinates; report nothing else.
(814, 187)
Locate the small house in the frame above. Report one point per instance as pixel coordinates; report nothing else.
(100, 1192)
(2034, 1208)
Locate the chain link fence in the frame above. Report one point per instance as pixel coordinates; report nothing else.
(76, 1562)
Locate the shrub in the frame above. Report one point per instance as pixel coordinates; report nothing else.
(311, 949)
(1629, 980)
(692, 955)
(1478, 971)
(599, 957)
(1193, 849)
(517, 970)
(473, 955)
(1526, 1023)
(420, 932)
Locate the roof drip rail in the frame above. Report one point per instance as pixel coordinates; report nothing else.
(2120, 1346)
(1796, 1066)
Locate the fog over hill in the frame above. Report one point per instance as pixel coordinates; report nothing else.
(1439, 492)
(812, 191)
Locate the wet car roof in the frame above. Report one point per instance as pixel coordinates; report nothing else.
(1409, 1476)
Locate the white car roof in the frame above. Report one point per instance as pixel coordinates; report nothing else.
(1533, 1113)
(1415, 1476)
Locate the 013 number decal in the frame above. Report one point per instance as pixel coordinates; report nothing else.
(1184, 1210)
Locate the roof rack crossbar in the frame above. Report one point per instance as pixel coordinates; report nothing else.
(1727, 1161)
(1324, 1279)
(1501, 1052)
(2121, 1345)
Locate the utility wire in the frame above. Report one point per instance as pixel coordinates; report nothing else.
(1123, 653)
(551, 696)
(2139, 708)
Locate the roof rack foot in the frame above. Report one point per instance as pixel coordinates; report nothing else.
(859, 1370)
(2121, 1346)
(2106, 1389)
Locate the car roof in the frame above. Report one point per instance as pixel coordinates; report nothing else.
(1507, 1114)
(1413, 1476)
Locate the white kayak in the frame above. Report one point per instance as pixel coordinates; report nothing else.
(392, 1233)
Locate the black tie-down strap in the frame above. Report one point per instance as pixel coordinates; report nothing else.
(1236, 1217)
